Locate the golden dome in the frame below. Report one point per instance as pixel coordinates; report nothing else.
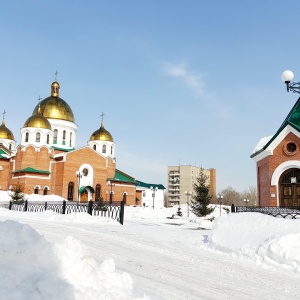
(54, 107)
(5, 133)
(38, 121)
(101, 135)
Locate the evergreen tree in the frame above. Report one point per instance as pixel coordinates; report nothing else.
(179, 212)
(17, 195)
(202, 197)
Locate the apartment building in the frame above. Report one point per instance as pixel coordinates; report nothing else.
(181, 180)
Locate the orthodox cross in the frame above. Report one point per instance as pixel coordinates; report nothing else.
(56, 75)
(39, 99)
(102, 115)
(4, 112)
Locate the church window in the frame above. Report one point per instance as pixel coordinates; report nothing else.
(144, 194)
(10, 146)
(55, 137)
(64, 137)
(38, 137)
(71, 190)
(36, 190)
(95, 147)
(26, 137)
(111, 150)
(104, 149)
(48, 138)
(70, 139)
(97, 192)
(46, 189)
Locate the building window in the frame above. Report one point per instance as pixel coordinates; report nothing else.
(36, 190)
(64, 138)
(104, 149)
(46, 190)
(144, 194)
(111, 150)
(95, 147)
(71, 190)
(38, 137)
(70, 139)
(48, 138)
(97, 192)
(26, 137)
(10, 146)
(55, 137)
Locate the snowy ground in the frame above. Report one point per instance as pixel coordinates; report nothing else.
(76, 256)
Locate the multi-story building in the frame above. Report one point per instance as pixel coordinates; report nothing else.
(181, 180)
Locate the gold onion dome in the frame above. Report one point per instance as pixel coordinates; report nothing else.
(101, 135)
(5, 133)
(38, 121)
(54, 107)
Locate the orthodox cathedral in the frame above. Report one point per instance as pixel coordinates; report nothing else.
(47, 162)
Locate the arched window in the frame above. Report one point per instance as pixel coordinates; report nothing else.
(104, 149)
(70, 139)
(97, 192)
(71, 190)
(95, 147)
(38, 137)
(64, 138)
(111, 150)
(46, 189)
(48, 138)
(55, 137)
(26, 137)
(10, 146)
(36, 189)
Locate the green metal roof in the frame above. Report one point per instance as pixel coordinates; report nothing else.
(292, 119)
(149, 185)
(86, 187)
(63, 149)
(3, 154)
(31, 170)
(120, 176)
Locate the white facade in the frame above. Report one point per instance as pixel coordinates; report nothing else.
(148, 195)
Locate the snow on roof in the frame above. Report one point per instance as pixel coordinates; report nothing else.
(262, 143)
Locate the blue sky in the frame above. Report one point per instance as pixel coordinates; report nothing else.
(190, 82)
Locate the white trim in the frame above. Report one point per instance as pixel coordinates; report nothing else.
(37, 187)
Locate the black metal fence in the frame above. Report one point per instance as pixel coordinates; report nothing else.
(274, 211)
(113, 210)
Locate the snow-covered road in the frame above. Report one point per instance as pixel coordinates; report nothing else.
(169, 261)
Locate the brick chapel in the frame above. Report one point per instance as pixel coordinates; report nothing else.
(278, 164)
(46, 161)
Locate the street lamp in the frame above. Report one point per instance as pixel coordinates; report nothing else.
(153, 190)
(79, 176)
(287, 76)
(246, 200)
(187, 201)
(111, 191)
(220, 199)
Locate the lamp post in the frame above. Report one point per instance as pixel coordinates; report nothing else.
(188, 201)
(79, 176)
(220, 199)
(153, 190)
(246, 200)
(111, 191)
(287, 76)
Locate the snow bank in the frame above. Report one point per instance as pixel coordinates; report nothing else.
(265, 239)
(5, 197)
(32, 268)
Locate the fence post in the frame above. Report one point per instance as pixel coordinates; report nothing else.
(10, 205)
(64, 207)
(26, 205)
(122, 213)
(90, 207)
(232, 208)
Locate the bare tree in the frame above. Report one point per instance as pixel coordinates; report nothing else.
(251, 195)
(231, 196)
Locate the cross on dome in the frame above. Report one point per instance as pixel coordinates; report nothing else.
(56, 75)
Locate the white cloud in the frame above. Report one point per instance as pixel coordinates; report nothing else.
(193, 80)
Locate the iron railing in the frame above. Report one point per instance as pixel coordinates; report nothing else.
(275, 211)
(113, 210)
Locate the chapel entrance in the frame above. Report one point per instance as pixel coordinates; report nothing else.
(84, 196)
(289, 186)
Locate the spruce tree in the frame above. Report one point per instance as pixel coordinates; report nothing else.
(17, 195)
(201, 198)
(179, 212)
